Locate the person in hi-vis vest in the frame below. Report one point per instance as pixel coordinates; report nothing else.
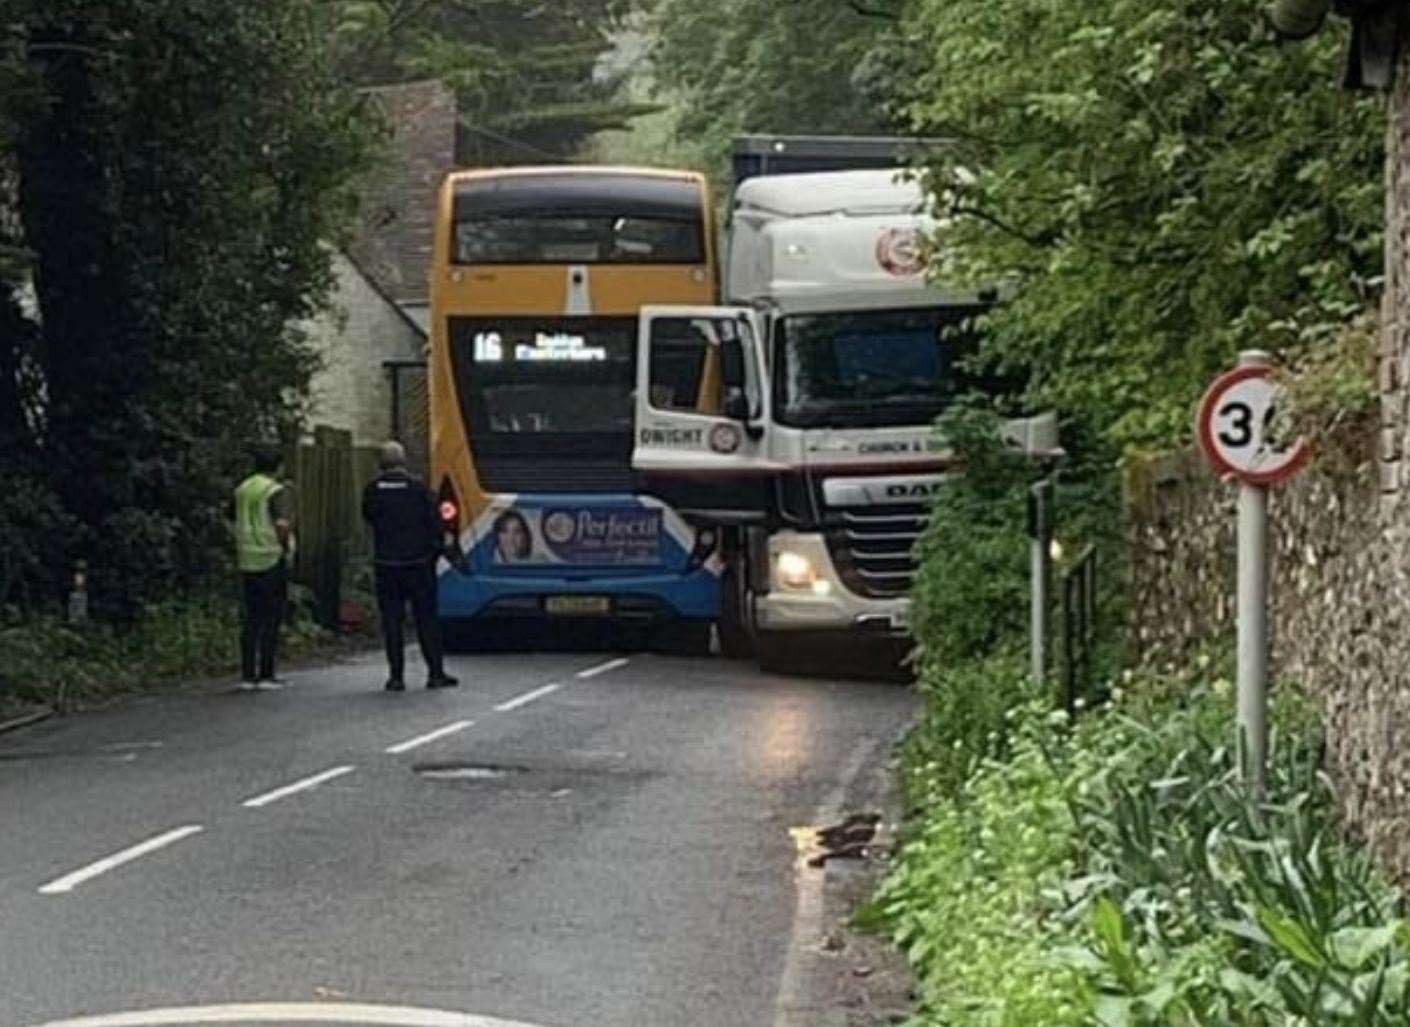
(264, 544)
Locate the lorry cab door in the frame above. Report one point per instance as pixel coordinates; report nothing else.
(701, 413)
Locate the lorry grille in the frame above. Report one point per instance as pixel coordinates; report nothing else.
(873, 547)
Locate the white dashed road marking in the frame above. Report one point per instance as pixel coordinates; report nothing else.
(292, 1012)
(297, 786)
(69, 882)
(592, 672)
(431, 736)
(527, 697)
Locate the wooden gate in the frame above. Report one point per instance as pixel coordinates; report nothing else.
(327, 484)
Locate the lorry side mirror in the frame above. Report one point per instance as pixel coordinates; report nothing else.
(736, 404)
(732, 365)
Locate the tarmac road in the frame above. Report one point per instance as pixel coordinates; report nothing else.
(566, 840)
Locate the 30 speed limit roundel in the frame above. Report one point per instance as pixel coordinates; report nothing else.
(1235, 428)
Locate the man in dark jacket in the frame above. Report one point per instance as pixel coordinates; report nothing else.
(406, 542)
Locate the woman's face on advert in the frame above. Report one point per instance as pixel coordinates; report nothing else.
(513, 539)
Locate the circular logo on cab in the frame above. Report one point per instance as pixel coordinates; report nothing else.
(899, 252)
(559, 527)
(725, 438)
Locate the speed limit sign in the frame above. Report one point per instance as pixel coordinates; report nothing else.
(1235, 427)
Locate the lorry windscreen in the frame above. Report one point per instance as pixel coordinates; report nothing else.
(873, 368)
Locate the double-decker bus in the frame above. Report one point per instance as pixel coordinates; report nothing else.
(538, 275)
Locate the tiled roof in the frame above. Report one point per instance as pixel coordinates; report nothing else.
(394, 245)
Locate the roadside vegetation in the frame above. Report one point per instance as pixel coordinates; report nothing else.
(53, 664)
(1111, 869)
(175, 177)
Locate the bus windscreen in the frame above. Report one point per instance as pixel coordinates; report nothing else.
(538, 391)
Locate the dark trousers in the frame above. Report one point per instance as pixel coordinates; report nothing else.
(398, 585)
(263, 598)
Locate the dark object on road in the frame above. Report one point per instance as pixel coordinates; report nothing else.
(848, 829)
(263, 541)
(849, 839)
(406, 537)
(856, 850)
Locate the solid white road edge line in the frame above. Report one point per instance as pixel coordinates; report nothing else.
(791, 1008)
(69, 882)
(297, 786)
(291, 1012)
(527, 697)
(592, 672)
(431, 736)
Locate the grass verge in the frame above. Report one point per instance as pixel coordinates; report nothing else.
(49, 662)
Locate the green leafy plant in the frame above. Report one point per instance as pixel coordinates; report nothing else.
(1163, 184)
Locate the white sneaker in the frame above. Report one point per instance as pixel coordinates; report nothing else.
(272, 685)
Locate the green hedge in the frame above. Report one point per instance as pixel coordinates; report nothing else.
(48, 661)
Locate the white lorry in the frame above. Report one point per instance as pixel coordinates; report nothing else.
(819, 458)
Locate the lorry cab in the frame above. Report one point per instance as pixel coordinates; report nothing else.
(819, 454)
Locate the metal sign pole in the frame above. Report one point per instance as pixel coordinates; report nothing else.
(1233, 426)
(1253, 632)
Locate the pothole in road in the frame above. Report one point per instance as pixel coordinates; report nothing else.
(466, 771)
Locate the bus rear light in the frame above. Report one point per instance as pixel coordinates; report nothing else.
(448, 509)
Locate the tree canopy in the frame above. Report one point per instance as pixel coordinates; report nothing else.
(176, 170)
(532, 79)
(766, 66)
(1164, 183)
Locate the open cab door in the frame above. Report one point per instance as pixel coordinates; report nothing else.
(701, 409)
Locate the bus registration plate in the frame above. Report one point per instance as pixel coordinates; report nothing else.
(577, 606)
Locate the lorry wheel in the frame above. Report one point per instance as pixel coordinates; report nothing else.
(736, 638)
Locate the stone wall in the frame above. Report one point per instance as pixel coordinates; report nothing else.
(1340, 599)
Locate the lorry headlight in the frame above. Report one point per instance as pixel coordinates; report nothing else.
(795, 571)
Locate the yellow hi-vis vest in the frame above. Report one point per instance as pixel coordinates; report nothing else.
(257, 546)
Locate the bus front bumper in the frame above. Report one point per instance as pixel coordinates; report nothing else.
(644, 597)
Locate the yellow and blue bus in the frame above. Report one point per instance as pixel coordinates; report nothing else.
(538, 275)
